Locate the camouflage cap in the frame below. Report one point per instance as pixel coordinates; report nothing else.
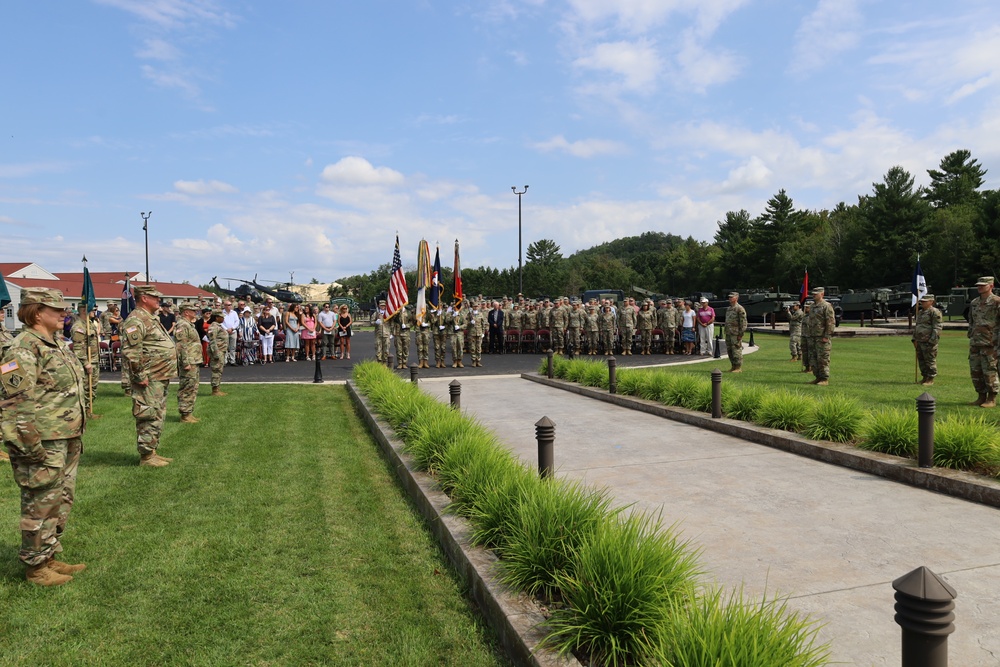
(45, 296)
(819, 290)
(188, 305)
(217, 313)
(146, 290)
(734, 294)
(927, 297)
(985, 280)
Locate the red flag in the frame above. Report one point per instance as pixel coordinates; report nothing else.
(398, 296)
(804, 291)
(458, 278)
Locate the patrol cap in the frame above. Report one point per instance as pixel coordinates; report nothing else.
(188, 305)
(45, 296)
(146, 290)
(381, 302)
(734, 294)
(927, 297)
(819, 290)
(985, 280)
(217, 313)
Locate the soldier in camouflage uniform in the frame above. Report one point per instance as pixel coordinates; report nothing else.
(795, 319)
(188, 361)
(819, 328)
(736, 326)
(626, 326)
(6, 338)
(437, 319)
(151, 358)
(476, 329)
(592, 328)
(646, 321)
(984, 327)
(574, 324)
(423, 337)
(383, 333)
(456, 320)
(42, 419)
(86, 335)
(606, 327)
(558, 323)
(926, 333)
(218, 349)
(400, 324)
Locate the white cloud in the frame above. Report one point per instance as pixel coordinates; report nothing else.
(751, 174)
(637, 63)
(201, 187)
(156, 48)
(353, 170)
(832, 28)
(169, 14)
(31, 168)
(584, 148)
(700, 68)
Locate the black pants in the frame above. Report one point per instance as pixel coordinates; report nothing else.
(496, 341)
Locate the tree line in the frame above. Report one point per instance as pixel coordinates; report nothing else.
(952, 225)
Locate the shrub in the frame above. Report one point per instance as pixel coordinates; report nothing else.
(891, 432)
(428, 439)
(966, 443)
(786, 410)
(575, 370)
(551, 522)
(743, 402)
(620, 590)
(683, 388)
(701, 398)
(657, 383)
(631, 381)
(493, 509)
(596, 375)
(737, 631)
(836, 418)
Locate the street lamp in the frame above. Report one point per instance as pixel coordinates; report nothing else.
(145, 228)
(520, 271)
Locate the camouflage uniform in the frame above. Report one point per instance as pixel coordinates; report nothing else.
(926, 332)
(188, 362)
(456, 322)
(606, 325)
(665, 323)
(437, 320)
(559, 322)
(112, 331)
(150, 356)
(423, 338)
(626, 327)
(383, 332)
(81, 338)
(819, 326)
(795, 320)
(218, 348)
(593, 330)
(736, 326)
(574, 323)
(400, 325)
(42, 416)
(984, 327)
(646, 319)
(476, 327)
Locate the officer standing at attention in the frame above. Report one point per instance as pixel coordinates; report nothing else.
(86, 336)
(476, 328)
(423, 337)
(819, 328)
(736, 326)
(984, 327)
(456, 323)
(151, 359)
(926, 333)
(383, 333)
(188, 361)
(437, 320)
(645, 320)
(795, 319)
(218, 350)
(43, 419)
(400, 324)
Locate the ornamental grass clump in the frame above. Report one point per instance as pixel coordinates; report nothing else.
(555, 517)
(701, 398)
(966, 443)
(657, 382)
(890, 431)
(785, 410)
(743, 402)
(626, 577)
(682, 388)
(428, 439)
(494, 508)
(576, 369)
(716, 630)
(836, 418)
(631, 381)
(596, 375)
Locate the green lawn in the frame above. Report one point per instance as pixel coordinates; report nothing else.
(278, 537)
(878, 371)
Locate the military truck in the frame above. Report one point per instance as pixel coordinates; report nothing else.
(761, 305)
(616, 295)
(873, 302)
(956, 304)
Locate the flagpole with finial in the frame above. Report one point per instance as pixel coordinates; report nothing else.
(85, 302)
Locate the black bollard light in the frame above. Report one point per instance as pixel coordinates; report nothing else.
(414, 371)
(716, 394)
(751, 339)
(717, 352)
(545, 434)
(318, 374)
(550, 370)
(924, 607)
(570, 351)
(612, 375)
(925, 430)
(455, 391)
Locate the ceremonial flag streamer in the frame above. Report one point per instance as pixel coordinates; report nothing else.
(804, 290)
(435, 297)
(918, 287)
(128, 299)
(397, 285)
(87, 297)
(423, 279)
(458, 278)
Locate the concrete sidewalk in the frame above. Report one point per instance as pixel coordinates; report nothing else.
(828, 538)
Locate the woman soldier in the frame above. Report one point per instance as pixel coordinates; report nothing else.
(43, 418)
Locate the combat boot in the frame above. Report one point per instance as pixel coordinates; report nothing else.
(42, 575)
(4, 456)
(163, 458)
(189, 419)
(217, 392)
(91, 415)
(150, 459)
(979, 401)
(460, 364)
(928, 382)
(991, 400)
(66, 568)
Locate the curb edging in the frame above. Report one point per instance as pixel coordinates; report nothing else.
(512, 616)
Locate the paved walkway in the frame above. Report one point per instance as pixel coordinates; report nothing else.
(829, 538)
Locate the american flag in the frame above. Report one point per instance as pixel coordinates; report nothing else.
(398, 296)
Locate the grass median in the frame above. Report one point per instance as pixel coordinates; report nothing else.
(277, 537)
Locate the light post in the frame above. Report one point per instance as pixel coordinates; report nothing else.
(145, 228)
(520, 272)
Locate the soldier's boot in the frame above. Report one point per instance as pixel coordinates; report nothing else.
(991, 400)
(823, 383)
(91, 415)
(217, 392)
(4, 456)
(150, 459)
(736, 369)
(979, 401)
(459, 364)
(189, 419)
(927, 382)
(43, 575)
(66, 568)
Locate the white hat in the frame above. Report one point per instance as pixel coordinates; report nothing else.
(704, 300)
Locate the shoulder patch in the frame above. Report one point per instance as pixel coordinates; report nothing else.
(9, 367)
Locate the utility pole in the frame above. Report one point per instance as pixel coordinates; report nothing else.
(145, 228)
(520, 268)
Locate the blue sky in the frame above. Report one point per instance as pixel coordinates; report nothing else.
(271, 137)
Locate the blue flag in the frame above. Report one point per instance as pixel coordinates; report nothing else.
(435, 296)
(918, 287)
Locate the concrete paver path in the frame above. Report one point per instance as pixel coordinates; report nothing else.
(829, 538)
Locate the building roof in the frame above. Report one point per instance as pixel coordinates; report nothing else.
(71, 285)
(111, 277)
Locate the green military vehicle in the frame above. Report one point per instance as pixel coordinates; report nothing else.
(871, 303)
(956, 304)
(616, 295)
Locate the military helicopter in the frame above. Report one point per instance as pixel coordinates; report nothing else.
(244, 291)
(281, 294)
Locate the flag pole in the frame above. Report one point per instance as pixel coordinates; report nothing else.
(90, 362)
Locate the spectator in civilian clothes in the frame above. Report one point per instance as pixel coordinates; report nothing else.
(292, 326)
(230, 322)
(706, 324)
(309, 332)
(328, 331)
(344, 332)
(266, 326)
